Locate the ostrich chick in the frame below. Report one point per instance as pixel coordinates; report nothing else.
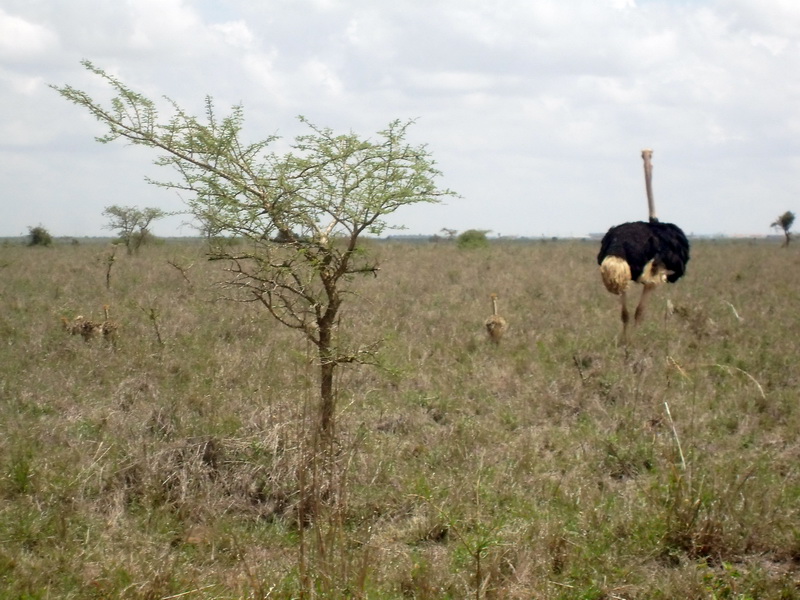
(109, 327)
(496, 326)
(82, 326)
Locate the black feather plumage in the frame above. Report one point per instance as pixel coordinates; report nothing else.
(640, 242)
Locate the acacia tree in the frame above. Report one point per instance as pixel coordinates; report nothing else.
(132, 224)
(300, 214)
(785, 222)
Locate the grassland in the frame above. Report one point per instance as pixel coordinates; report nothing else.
(555, 465)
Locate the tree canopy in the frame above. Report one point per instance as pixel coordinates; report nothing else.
(784, 223)
(132, 224)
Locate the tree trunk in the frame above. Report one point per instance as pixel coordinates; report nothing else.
(326, 322)
(327, 368)
(327, 399)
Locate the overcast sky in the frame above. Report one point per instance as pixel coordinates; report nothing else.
(536, 111)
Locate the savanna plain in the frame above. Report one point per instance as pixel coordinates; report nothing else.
(557, 464)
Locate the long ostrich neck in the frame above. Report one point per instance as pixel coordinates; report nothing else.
(494, 305)
(647, 155)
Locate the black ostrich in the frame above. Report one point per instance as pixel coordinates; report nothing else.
(649, 253)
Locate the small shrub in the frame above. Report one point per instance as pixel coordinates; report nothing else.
(473, 238)
(39, 236)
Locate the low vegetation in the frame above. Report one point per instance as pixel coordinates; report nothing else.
(39, 236)
(472, 238)
(554, 465)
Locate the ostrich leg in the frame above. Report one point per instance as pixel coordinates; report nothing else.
(625, 316)
(648, 289)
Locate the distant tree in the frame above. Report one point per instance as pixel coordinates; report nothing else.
(39, 236)
(132, 224)
(450, 233)
(473, 238)
(300, 214)
(785, 222)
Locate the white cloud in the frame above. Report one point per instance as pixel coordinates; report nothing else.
(319, 75)
(368, 32)
(21, 39)
(236, 34)
(160, 24)
(260, 70)
(775, 45)
(21, 84)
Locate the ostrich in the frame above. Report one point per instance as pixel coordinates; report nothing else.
(649, 253)
(496, 325)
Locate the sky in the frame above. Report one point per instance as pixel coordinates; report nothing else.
(536, 111)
